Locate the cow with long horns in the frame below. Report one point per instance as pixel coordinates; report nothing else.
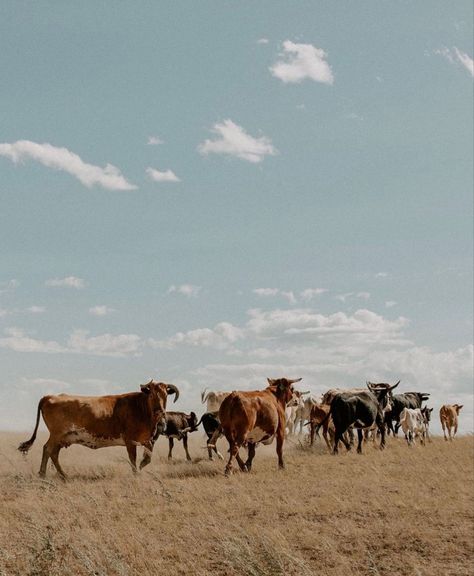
(254, 417)
(361, 410)
(129, 420)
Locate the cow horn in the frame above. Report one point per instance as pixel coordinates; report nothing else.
(295, 381)
(370, 385)
(271, 381)
(172, 389)
(395, 385)
(307, 392)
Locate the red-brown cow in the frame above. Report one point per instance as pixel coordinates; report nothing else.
(253, 417)
(128, 420)
(448, 414)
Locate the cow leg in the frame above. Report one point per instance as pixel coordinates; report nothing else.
(251, 455)
(329, 433)
(210, 448)
(240, 462)
(185, 444)
(171, 445)
(54, 455)
(147, 452)
(132, 455)
(44, 460)
(233, 451)
(280, 437)
(444, 429)
(312, 428)
(455, 428)
(360, 439)
(381, 427)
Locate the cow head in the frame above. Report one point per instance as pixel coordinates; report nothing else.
(156, 394)
(192, 422)
(283, 388)
(426, 414)
(383, 392)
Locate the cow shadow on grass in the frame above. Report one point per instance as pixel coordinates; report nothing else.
(198, 468)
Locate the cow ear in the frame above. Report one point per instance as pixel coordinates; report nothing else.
(145, 388)
(270, 381)
(430, 409)
(460, 406)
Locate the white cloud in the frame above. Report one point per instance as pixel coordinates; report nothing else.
(18, 341)
(234, 141)
(78, 343)
(381, 275)
(289, 296)
(166, 176)
(63, 159)
(456, 56)
(101, 310)
(154, 141)
(105, 344)
(36, 309)
(189, 290)
(266, 291)
(221, 337)
(363, 295)
(68, 282)
(3, 312)
(310, 293)
(8, 285)
(301, 61)
(349, 295)
(390, 304)
(262, 41)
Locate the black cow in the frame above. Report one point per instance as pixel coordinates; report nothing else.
(211, 424)
(399, 402)
(361, 410)
(178, 424)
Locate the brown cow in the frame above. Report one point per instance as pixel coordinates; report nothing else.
(253, 417)
(318, 417)
(128, 420)
(448, 414)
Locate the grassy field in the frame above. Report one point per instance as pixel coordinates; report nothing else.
(406, 511)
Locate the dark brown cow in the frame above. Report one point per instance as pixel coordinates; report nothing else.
(128, 420)
(253, 417)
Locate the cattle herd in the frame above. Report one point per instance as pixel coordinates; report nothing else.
(244, 418)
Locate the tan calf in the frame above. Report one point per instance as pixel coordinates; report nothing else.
(448, 415)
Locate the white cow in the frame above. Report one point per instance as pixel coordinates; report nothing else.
(413, 424)
(213, 399)
(303, 411)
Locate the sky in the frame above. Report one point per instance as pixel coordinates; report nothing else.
(213, 193)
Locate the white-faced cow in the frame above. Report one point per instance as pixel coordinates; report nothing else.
(213, 400)
(128, 420)
(399, 402)
(448, 416)
(412, 423)
(360, 410)
(293, 409)
(254, 417)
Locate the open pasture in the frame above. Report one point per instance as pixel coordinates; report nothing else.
(406, 511)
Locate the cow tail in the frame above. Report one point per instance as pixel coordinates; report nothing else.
(25, 446)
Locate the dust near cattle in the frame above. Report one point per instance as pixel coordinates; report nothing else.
(404, 511)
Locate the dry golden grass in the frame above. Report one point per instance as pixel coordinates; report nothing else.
(403, 511)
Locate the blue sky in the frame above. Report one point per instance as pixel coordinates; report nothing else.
(213, 193)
